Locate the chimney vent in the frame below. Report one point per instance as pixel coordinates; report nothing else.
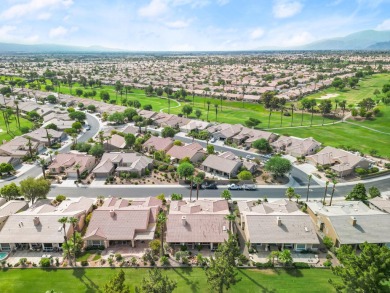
(112, 213)
(353, 221)
(183, 220)
(279, 221)
(36, 221)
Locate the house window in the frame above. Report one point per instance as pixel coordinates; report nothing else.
(95, 243)
(301, 247)
(5, 247)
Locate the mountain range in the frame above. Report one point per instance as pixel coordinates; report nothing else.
(363, 40)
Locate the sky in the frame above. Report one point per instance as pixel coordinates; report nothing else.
(187, 25)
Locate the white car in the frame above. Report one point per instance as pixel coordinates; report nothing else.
(234, 187)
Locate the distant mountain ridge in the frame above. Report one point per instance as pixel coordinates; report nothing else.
(363, 40)
(51, 48)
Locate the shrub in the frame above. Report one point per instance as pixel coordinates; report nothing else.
(60, 198)
(84, 263)
(328, 242)
(118, 257)
(268, 264)
(164, 260)
(24, 129)
(243, 259)
(327, 263)
(23, 261)
(301, 265)
(44, 262)
(373, 170)
(361, 171)
(387, 165)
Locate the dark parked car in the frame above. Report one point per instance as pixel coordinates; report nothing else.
(211, 185)
(194, 186)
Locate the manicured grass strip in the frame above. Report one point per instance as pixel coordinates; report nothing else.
(189, 280)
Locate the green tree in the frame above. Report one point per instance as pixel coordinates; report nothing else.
(161, 220)
(77, 125)
(33, 189)
(77, 115)
(252, 122)
(226, 195)
(187, 110)
(210, 149)
(155, 282)
(10, 191)
(64, 221)
(290, 193)
(364, 272)
(245, 175)
(96, 150)
(358, 193)
(117, 284)
(117, 118)
(198, 181)
(168, 132)
(185, 170)
(221, 273)
(262, 145)
(198, 113)
(105, 96)
(130, 140)
(285, 257)
(91, 108)
(278, 166)
(374, 192)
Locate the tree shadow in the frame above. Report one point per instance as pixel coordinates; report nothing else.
(263, 289)
(194, 285)
(79, 273)
(294, 273)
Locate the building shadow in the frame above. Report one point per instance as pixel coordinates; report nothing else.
(91, 287)
(261, 287)
(184, 273)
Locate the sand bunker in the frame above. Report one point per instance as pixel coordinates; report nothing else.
(328, 96)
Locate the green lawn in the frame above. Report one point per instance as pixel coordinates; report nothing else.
(365, 89)
(343, 134)
(14, 130)
(189, 280)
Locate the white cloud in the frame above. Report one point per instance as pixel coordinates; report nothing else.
(286, 8)
(5, 31)
(58, 32)
(384, 26)
(300, 38)
(178, 24)
(154, 9)
(44, 16)
(33, 6)
(257, 33)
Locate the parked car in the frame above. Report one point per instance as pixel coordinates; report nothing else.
(88, 127)
(234, 187)
(248, 157)
(211, 185)
(194, 186)
(247, 147)
(249, 187)
(213, 139)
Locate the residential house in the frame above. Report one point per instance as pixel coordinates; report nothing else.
(19, 147)
(295, 146)
(250, 165)
(121, 222)
(70, 162)
(224, 131)
(351, 223)
(114, 142)
(194, 125)
(221, 166)
(131, 129)
(380, 203)
(277, 225)
(158, 144)
(193, 151)
(200, 223)
(38, 228)
(40, 135)
(10, 160)
(122, 162)
(341, 162)
(9, 208)
(249, 135)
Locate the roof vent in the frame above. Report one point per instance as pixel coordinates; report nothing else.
(36, 221)
(184, 220)
(59, 228)
(279, 221)
(112, 213)
(224, 228)
(353, 221)
(306, 229)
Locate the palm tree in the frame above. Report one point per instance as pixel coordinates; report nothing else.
(42, 164)
(281, 115)
(192, 181)
(297, 196)
(198, 181)
(231, 218)
(308, 187)
(73, 221)
(29, 144)
(221, 101)
(333, 189)
(161, 220)
(208, 110)
(216, 112)
(290, 193)
(48, 136)
(326, 190)
(77, 167)
(292, 114)
(64, 221)
(269, 116)
(343, 105)
(312, 113)
(17, 112)
(302, 116)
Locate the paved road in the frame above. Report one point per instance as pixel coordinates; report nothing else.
(299, 176)
(36, 170)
